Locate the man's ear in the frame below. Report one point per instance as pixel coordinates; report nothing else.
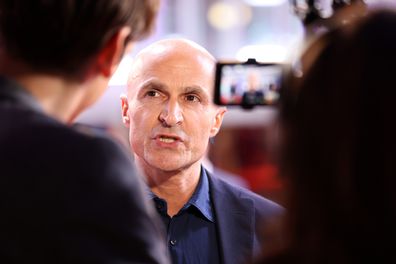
(110, 56)
(218, 120)
(124, 110)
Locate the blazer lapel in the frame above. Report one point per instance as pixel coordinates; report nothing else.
(235, 223)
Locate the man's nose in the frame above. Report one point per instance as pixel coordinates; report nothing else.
(171, 114)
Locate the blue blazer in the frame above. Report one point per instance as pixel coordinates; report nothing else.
(241, 216)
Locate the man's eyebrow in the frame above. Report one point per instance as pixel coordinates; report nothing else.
(152, 83)
(194, 89)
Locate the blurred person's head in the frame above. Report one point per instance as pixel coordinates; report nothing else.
(62, 37)
(70, 43)
(339, 144)
(169, 109)
(253, 80)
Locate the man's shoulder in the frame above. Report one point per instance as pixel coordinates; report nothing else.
(238, 195)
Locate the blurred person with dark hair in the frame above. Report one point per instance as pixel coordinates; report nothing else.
(339, 147)
(171, 116)
(68, 196)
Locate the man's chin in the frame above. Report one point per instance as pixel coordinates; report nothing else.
(169, 167)
(167, 164)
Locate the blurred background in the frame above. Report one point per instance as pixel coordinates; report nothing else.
(266, 30)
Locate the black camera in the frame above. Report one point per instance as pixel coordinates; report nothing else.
(247, 84)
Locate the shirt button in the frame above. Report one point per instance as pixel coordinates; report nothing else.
(173, 242)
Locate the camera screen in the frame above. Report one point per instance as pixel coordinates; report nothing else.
(247, 84)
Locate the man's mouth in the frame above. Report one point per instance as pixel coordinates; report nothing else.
(167, 139)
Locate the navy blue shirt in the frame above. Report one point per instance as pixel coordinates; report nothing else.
(191, 233)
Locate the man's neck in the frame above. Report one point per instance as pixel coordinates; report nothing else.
(175, 187)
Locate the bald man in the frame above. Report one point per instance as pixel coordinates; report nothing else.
(170, 114)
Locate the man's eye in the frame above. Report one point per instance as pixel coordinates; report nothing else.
(152, 93)
(192, 98)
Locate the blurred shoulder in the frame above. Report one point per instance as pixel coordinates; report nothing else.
(75, 149)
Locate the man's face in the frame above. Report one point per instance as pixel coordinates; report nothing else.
(170, 111)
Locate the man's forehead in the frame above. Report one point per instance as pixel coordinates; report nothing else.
(174, 50)
(176, 64)
(173, 46)
(175, 58)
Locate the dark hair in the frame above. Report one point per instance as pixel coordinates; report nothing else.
(339, 146)
(61, 36)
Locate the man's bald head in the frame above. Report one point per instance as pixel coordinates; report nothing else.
(174, 53)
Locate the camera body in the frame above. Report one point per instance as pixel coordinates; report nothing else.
(247, 84)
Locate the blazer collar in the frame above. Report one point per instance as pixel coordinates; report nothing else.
(235, 223)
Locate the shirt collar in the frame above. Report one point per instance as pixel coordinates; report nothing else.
(200, 198)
